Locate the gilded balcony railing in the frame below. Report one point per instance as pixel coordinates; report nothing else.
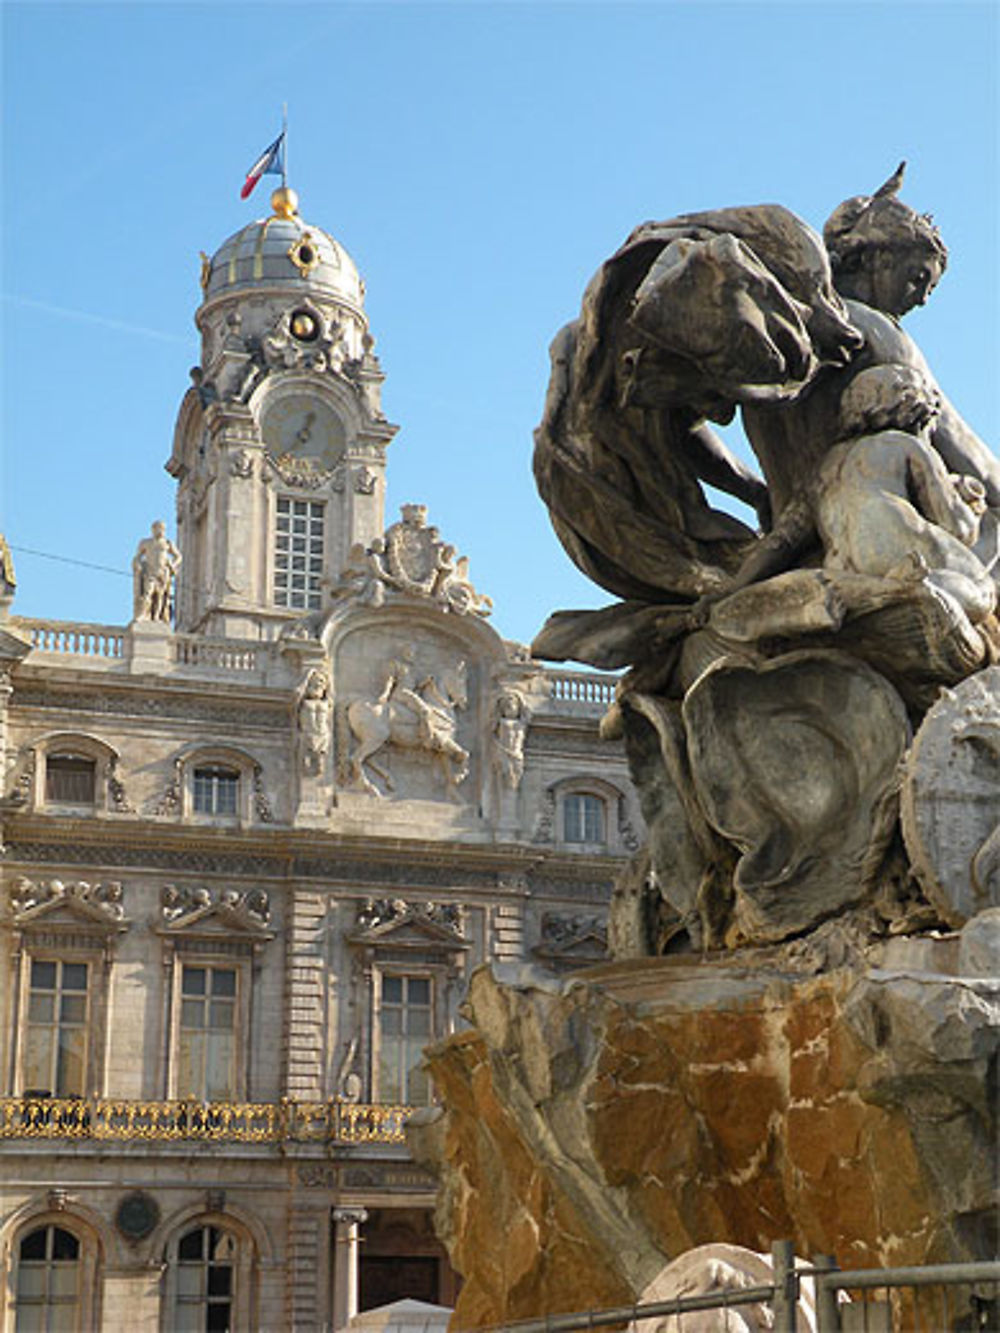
(287, 1121)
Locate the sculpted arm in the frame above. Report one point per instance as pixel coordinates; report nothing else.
(963, 451)
(715, 464)
(937, 496)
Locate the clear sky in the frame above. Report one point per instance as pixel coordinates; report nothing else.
(478, 161)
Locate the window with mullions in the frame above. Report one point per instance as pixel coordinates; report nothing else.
(48, 1281)
(298, 554)
(405, 1028)
(216, 790)
(583, 818)
(206, 1050)
(206, 1281)
(55, 1047)
(70, 779)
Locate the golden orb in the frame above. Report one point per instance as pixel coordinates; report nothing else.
(285, 202)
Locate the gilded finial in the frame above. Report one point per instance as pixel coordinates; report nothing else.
(285, 202)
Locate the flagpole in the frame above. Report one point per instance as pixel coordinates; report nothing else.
(284, 145)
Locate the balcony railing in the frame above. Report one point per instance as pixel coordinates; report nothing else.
(75, 638)
(287, 1121)
(582, 687)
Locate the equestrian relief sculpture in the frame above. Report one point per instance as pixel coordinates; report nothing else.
(780, 667)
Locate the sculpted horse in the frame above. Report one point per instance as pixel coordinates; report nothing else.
(421, 718)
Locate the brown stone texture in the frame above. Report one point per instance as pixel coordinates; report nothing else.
(590, 1134)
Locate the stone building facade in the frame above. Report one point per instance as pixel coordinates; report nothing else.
(256, 841)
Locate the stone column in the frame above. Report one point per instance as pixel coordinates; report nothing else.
(345, 1263)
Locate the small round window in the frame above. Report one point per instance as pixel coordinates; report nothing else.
(303, 254)
(304, 326)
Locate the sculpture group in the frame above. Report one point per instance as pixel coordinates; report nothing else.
(776, 677)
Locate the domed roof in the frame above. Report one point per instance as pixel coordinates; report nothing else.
(282, 250)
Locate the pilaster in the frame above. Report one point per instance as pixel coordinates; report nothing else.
(304, 989)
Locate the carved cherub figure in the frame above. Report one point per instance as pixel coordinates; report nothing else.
(886, 504)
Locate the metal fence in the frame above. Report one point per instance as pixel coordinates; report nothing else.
(817, 1298)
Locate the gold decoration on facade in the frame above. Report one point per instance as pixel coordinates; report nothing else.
(287, 1121)
(206, 270)
(285, 202)
(304, 254)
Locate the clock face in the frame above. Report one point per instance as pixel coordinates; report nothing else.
(304, 427)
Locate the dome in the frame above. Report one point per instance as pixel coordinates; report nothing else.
(282, 250)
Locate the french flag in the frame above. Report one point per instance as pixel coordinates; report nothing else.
(270, 163)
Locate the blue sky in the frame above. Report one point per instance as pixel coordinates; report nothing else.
(479, 161)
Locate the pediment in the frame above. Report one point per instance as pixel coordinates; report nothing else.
(70, 912)
(591, 945)
(218, 921)
(412, 930)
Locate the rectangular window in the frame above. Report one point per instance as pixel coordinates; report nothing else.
(298, 554)
(405, 1027)
(206, 1066)
(583, 818)
(216, 790)
(70, 779)
(55, 1049)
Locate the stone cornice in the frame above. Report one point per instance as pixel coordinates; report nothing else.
(294, 856)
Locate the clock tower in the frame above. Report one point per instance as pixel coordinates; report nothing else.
(279, 449)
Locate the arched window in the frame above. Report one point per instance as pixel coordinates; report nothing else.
(49, 1281)
(207, 1281)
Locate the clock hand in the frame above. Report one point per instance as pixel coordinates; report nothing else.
(304, 435)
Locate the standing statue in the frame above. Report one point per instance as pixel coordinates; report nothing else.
(154, 570)
(774, 675)
(508, 739)
(314, 718)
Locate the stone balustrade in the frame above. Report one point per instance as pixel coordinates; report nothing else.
(286, 1121)
(581, 687)
(232, 655)
(73, 637)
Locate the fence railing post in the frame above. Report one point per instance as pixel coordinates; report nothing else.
(786, 1286)
(827, 1308)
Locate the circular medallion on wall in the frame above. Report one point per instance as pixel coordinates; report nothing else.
(136, 1215)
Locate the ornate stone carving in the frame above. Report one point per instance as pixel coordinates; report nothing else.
(107, 897)
(509, 731)
(807, 793)
(117, 798)
(171, 800)
(756, 657)
(413, 560)
(364, 481)
(261, 802)
(304, 338)
(154, 571)
(565, 928)
(241, 464)
(951, 799)
(315, 713)
(546, 822)
(188, 903)
(24, 779)
(414, 713)
(305, 474)
(374, 912)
